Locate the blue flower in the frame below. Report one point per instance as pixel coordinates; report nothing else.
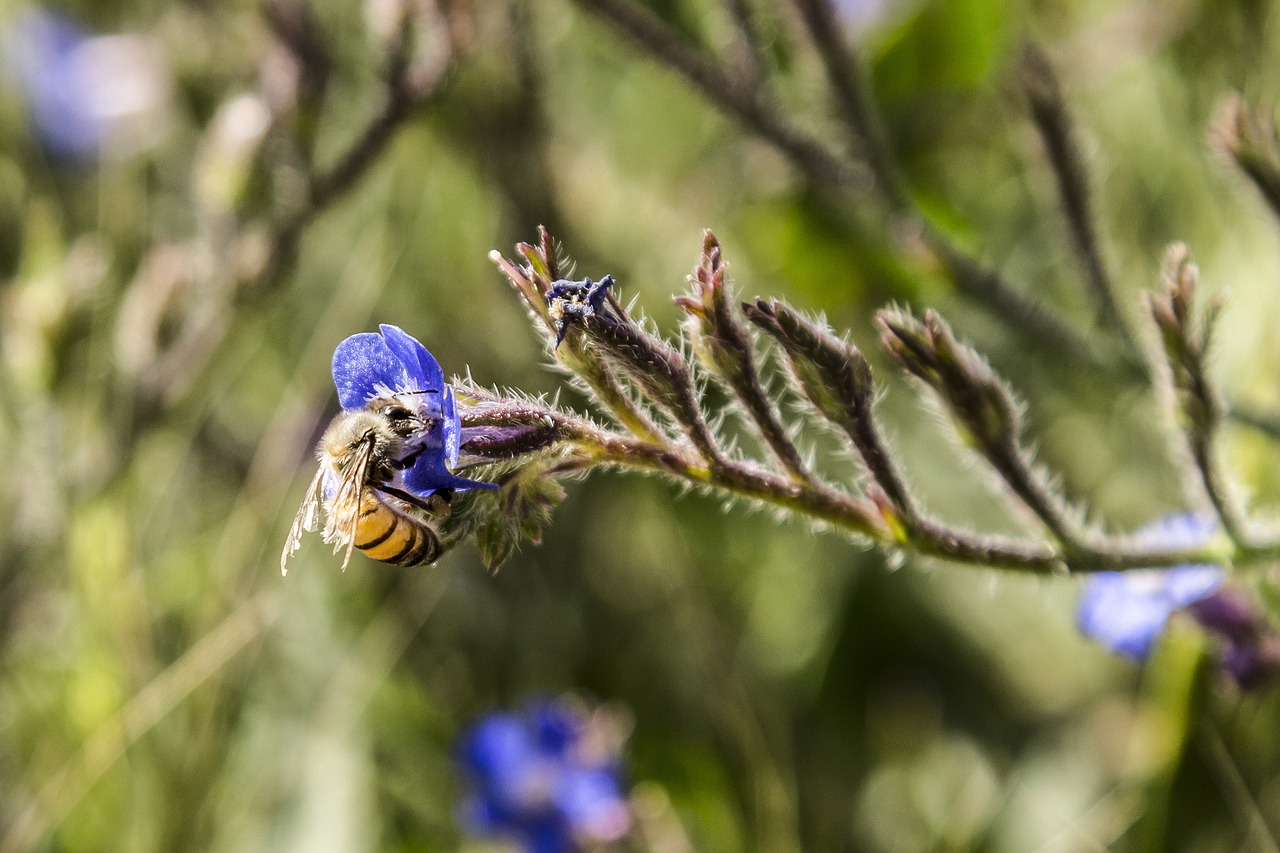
(369, 366)
(41, 46)
(86, 95)
(1126, 611)
(548, 778)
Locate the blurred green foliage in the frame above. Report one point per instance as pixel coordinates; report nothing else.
(162, 688)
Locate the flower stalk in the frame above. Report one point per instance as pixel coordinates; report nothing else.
(643, 372)
(981, 407)
(724, 347)
(532, 282)
(1185, 334)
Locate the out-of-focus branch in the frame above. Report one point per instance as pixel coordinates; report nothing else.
(1023, 315)
(412, 77)
(720, 88)
(845, 76)
(1265, 422)
(1250, 140)
(751, 57)
(409, 82)
(1053, 122)
(1185, 333)
(294, 24)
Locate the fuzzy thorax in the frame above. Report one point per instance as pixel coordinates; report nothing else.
(351, 429)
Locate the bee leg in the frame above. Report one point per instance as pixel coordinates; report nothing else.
(436, 504)
(441, 502)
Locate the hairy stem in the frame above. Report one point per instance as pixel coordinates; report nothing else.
(861, 517)
(1055, 127)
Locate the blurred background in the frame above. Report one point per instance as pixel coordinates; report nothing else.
(199, 200)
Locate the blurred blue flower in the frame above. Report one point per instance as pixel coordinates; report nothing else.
(862, 15)
(86, 95)
(548, 778)
(1126, 611)
(368, 366)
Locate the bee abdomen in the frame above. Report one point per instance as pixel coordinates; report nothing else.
(386, 535)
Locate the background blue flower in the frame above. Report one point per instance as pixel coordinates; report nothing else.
(86, 95)
(41, 49)
(1126, 611)
(545, 777)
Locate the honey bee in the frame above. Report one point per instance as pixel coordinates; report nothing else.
(361, 454)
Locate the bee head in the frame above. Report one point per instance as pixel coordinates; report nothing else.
(402, 419)
(362, 432)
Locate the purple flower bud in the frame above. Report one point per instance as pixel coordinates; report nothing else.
(1254, 664)
(1250, 647)
(1227, 612)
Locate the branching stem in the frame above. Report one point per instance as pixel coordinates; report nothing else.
(817, 161)
(1054, 124)
(594, 446)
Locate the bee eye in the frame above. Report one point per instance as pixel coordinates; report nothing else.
(397, 413)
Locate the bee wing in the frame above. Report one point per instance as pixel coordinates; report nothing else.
(344, 507)
(304, 520)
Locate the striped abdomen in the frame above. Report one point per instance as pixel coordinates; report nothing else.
(392, 535)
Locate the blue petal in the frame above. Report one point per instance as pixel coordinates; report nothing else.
(556, 726)
(501, 755)
(588, 798)
(422, 370)
(1186, 585)
(42, 50)
(430, 474)
(431, 471)
(1126, 611)
(1185, 530)
(451, 428)
(1121, 621)
(549, 836)
(360, 364)
(480, 814)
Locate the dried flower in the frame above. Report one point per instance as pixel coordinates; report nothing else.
(570, 301)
